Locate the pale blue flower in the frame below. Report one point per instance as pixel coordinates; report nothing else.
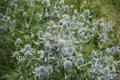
(80, 60)
(67, 64)
(41, 70)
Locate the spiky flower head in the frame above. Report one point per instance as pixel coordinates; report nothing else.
(41, 70)
(27, 47)
(80, 60)
(86, 12)
(67, 64)
(94, 61)
(103, 36)
(46, 2)
(48, 46)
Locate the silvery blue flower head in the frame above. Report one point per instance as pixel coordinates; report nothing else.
(48, 30)
(76, 14)
(67, 64)
(86, 12)
(93, 53)
(48, 46)
(65, 8)
(39, 16)
(109, 26)
(58, 8)
(95, 28)
(103, 36)
(82, 34)
(112, 49)
(102, 78)
(66, 24)
(46, 54)
(80, 60)
(46, 2)
(41, 53)
(94, 61)
(5, 18)
(56, 14)
(27, 47)
(41, 70)
(70, 49)
(66, 17)
(60, 22)
(106, 70)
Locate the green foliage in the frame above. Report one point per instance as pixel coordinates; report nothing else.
(22, 21)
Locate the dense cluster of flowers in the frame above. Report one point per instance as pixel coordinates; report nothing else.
(66, 46)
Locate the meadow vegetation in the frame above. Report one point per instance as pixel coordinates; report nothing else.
(59, 39)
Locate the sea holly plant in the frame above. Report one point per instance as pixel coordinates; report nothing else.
(59, 45)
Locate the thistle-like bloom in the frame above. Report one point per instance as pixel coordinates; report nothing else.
(56, 14)
(86, 12)
(58, 8)
(46, 2)
(112, 49)
(41, 70)
(27, 47)
(48, 46)
(69, 49)
(95, 28)
(93, 53)
(41, 53)
(94, 61)
(67, 64)
(103, 36)
(80, 60)
(65, 8)
(61, 22)
(102, 78)
(109, 26)
(66, 24)
(46, 54)
(39, 16)
(76, 14)
(106, 70)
